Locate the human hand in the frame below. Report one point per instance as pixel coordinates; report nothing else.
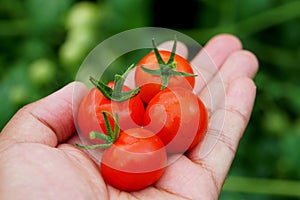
(39, 161)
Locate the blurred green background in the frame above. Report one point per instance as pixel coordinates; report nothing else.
(43, 43)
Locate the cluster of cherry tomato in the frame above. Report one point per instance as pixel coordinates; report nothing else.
(140, 127)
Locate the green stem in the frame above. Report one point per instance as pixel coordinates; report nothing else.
(252, 24)
(262, 186)
(91, 147)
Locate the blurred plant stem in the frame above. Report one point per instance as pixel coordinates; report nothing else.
(262, 186)
(287, 57)
(251, 25)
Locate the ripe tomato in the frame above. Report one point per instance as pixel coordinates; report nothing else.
(90, 118)
(160, 69)
(178, 117)
(136, 160)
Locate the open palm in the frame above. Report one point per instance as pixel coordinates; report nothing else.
(39, 161)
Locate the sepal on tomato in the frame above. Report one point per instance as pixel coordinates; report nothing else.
(116, 94)
(110, 138)
(166, 69)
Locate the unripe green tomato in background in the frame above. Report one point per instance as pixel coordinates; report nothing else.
(83, 14)
(42, 71)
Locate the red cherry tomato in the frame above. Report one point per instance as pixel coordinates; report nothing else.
(137, 159)
(178, 117)
(160, 69)
(90, 116)
(151, 84)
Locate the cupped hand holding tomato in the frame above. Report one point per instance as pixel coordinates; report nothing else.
(191, 162)
(42, 135)
(175, 116)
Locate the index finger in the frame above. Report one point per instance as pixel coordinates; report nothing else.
(212, 56)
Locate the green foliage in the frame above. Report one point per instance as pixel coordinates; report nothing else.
(43, 44)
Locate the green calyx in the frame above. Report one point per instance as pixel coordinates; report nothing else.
(166, 69)
(116, 94)
(110, 138)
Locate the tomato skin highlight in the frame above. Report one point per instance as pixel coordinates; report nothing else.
(136, 160)
(151, 84)
(178, 117)
(90, 118)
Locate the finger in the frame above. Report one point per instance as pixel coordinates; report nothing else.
(226, 127)
(48, 121)
(240, 63)
(210, 59)
(185, 179)
(209, 172)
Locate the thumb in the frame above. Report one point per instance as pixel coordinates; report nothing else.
(48, 121)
